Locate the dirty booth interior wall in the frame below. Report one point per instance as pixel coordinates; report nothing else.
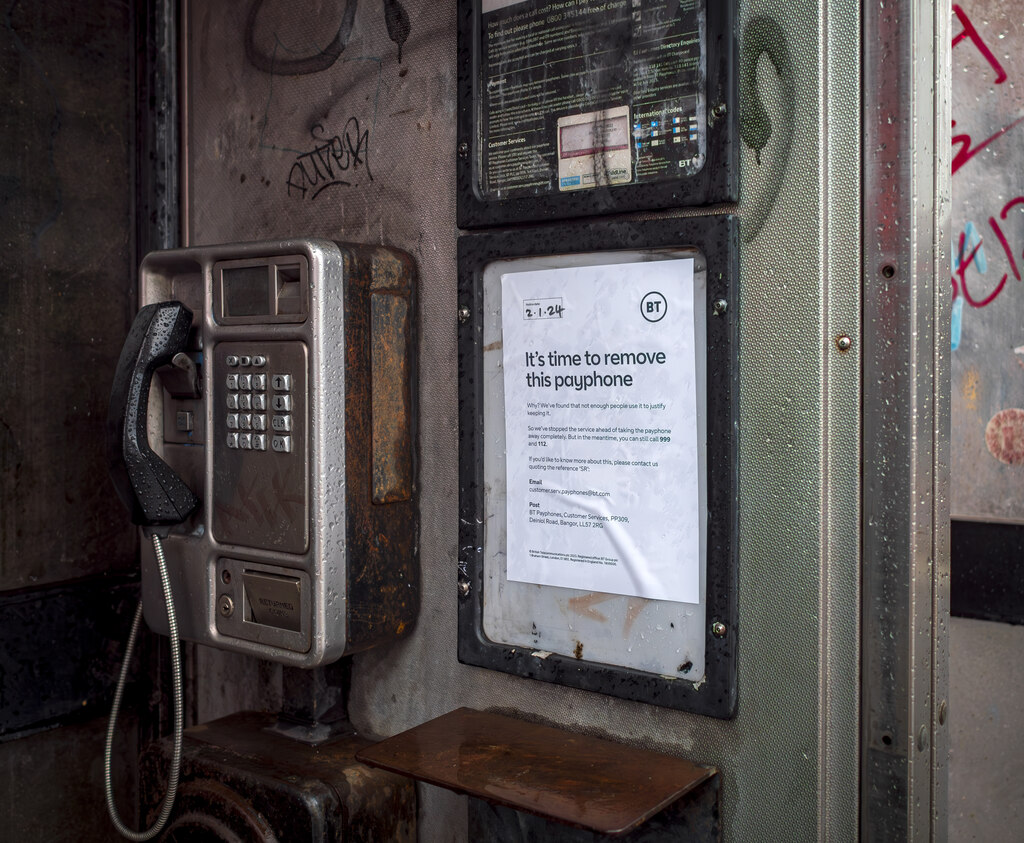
(66, 298)
(388, 102)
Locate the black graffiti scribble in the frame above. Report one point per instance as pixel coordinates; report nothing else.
(395, 18)
(397, 21)
(764, 36)
(330, 160)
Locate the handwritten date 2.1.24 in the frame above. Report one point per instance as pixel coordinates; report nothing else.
(543, 308)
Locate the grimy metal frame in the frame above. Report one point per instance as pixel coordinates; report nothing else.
(905, 533)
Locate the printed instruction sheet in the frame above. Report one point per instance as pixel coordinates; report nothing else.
(601, 429)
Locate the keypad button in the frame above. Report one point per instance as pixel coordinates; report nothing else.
(259, 442)
(232, 381)
(259, 382)
(282, 424)
(259, 422)
(232, 400)
(245, 422)
(245, 381)
(232, 440)
(231, 360)
(259, 360)
(245, 441)
(282, 383)
(232, 421)
(245, 401)
(282, 403)
(244, 360)
(281, 444)
(259, 402)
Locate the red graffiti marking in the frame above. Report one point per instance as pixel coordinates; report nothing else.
(965, 153)
(964, 261)
(1004, 436)
(972, 33)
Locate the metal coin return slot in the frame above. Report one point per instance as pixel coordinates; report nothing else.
(272, 600)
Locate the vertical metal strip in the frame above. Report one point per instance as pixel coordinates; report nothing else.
(942, 366)
(903, 427)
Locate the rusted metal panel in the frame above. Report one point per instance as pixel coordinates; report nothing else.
(572, 779)
(392, 341)
(383, 589)
(242, 782)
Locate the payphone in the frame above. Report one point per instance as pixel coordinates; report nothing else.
(261, 431)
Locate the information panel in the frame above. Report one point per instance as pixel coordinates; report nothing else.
(570, 107)
(597, 457)
(601, 429)
(580, 93)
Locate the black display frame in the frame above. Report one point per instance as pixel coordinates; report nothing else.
(717, 238)
(716, 182)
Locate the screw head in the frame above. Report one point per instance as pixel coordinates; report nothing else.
(464, 314)
(463, 588)
(844, 343)
(226, 606)
(225, 577)
(719, 307)
(718, 629)
(463, 150)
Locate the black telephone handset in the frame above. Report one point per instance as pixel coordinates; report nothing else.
(155, 496)
(153, 493)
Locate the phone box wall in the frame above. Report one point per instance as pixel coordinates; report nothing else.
(283, 138)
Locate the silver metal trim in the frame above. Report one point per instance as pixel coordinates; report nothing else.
(905, 419)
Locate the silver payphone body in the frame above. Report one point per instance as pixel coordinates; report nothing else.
(288, 411)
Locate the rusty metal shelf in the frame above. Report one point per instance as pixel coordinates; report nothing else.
(578, 780)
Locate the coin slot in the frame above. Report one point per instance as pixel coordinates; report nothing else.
(289, 289)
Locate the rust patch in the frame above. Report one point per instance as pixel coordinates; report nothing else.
(493, 346)
(1004, 436)
(635, 606)
(970, 389)
(583, 605)
(578, 651)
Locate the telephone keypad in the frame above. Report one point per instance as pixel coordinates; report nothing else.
(248, 392)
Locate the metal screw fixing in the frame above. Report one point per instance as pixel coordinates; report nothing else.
(844, 343)
(718, 629)
(464, 314)
(226, 606)
(463, 588)
(463, 150)
(719, 306)
(717, 113)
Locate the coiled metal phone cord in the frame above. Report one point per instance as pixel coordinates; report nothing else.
(172, 776)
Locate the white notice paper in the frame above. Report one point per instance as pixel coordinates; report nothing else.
(601, 429)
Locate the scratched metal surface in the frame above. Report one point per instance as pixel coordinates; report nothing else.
(988, 306)
(789, 759)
